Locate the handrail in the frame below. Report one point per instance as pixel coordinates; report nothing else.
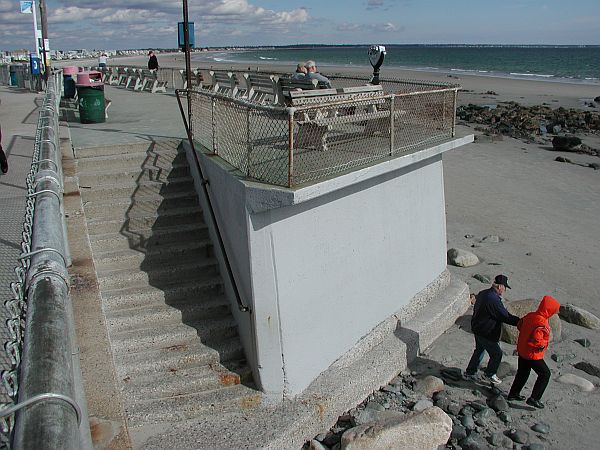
(50, 411)
(204, 182)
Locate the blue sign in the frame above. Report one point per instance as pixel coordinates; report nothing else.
(34, 63)
(181, 34)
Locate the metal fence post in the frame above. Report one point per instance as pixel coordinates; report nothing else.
(291, 147)
(392, 123)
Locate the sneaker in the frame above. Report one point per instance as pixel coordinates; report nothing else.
(469, 376)
(516, 397)
(535, 403)
(492, 379)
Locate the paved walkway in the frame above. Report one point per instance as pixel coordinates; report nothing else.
(18, 117)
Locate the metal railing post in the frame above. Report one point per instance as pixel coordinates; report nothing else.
(291, 147)
(392, 123)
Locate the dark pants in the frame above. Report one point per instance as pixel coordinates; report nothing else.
(543, 376)
(485, 345)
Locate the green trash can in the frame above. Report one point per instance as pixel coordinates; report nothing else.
(90, 94)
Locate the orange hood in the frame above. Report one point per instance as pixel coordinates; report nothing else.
(548, 307)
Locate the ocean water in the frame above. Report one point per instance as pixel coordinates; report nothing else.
(575, 64)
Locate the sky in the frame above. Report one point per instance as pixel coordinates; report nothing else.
(118, 24)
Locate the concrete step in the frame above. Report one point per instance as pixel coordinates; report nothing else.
(134, 175)
(201, 289)
(177, 357)
(104, 150)
(164, 158)
(182, 407)
(136, 190)
(123, 207)
(181, 382)
(189, 312)
(154, 338)
(139, 221)
(146, 240)
(153, 257)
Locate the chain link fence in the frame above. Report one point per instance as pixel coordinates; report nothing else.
(322, 136)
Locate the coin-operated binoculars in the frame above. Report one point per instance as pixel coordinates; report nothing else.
(376, 56)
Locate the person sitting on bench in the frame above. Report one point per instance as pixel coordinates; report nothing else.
(313, 74)
(300, 72)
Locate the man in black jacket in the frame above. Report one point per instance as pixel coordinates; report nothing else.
(488, 315)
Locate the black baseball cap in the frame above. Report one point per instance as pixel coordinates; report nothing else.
(503, 280)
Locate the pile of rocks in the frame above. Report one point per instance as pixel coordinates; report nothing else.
(477, 416)
(522, 122)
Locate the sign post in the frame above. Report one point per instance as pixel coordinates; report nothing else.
(28, 7)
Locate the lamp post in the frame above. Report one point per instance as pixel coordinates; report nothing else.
(188, 65)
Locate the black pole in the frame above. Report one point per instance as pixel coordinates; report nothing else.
(44, 22)
(188, 65)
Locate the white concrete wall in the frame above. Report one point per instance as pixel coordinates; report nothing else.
(322, 265)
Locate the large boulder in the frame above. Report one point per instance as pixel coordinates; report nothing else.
(522, 307)
(425, 430)
(579, 316)
(462, 258)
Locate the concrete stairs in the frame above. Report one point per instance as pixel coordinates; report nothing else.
(174, 342)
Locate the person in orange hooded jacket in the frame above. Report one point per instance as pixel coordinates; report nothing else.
(534, 335)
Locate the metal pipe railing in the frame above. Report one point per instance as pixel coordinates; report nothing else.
(50, 412)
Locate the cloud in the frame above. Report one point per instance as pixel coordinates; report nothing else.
(375, 4)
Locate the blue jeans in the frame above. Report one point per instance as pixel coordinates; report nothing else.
(493, 348)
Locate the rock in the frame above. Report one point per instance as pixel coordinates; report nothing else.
(429, 385)
(371, 415)
(454, 408)
(316, 445)
(474, 441)
(594, 166)
(506, 369)
(374, 406)
(499, 403)
(458, 432)
(484, 414)
(566, 143)
(581, 383)
(505, 417)
(483, 278)
(468, 422)
(519, 436)
(579, 316)
(563, 159)
(541, 427)
(584, 342)
(478, 405)
(452, 373)
(588, 368)
(422, 405)
(467, 411)
(520, 308)
(500, 440)
(425, 430)
(462, 258)
(392, 389)
(556, 129)
(561, 357)
(537, 447)
(492, 238)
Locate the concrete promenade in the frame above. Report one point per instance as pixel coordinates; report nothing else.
(18, 118)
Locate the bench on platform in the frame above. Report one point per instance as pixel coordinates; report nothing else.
(112, 76)
(361, 105)
(261, 87)
(196, 77)
(151, 83)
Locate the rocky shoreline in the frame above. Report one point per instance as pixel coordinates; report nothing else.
(535, 124)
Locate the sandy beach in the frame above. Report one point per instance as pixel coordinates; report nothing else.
(546, 214)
